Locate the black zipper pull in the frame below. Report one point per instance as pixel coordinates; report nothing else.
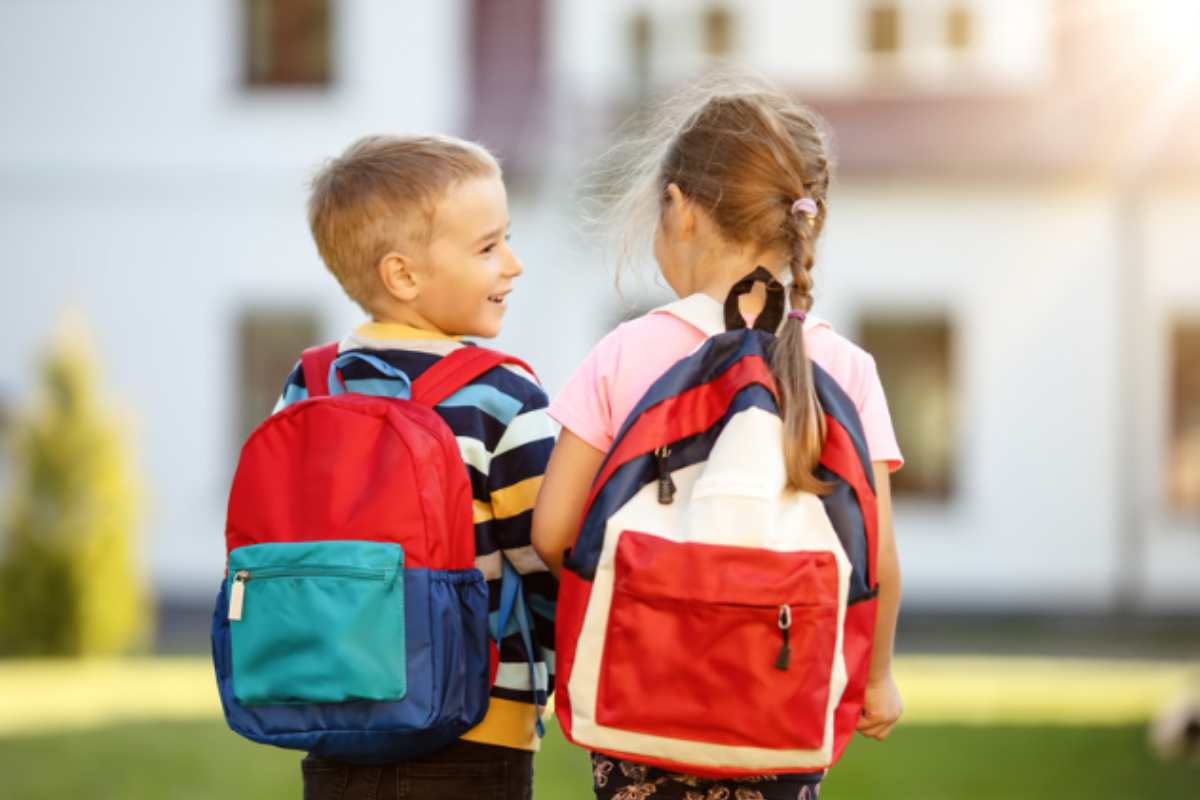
(785, 652)
(666, 486)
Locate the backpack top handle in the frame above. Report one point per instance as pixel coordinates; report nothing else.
(772, 314)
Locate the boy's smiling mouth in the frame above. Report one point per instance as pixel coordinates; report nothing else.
(498, 299)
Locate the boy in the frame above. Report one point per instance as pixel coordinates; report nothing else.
(415, 229)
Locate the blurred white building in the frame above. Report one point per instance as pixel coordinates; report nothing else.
(1013, 234)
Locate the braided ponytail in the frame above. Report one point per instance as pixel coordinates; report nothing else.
(803, 419)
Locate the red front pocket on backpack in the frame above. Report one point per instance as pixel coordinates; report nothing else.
(695, 641)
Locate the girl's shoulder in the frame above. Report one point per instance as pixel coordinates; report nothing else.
(850, 365)
(821, 337)
(650, 334)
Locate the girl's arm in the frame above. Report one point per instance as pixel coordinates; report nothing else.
(882, 705)
(556, 517)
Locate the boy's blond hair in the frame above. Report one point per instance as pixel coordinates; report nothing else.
(382, 194)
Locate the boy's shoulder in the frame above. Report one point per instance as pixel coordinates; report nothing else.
(515, 379)
(515, 382)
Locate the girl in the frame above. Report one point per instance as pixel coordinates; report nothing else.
(741, 183)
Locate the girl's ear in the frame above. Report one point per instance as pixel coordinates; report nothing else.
(678, 213)
(398, 277)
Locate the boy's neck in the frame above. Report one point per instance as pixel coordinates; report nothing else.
(411, 329)
(405, 316)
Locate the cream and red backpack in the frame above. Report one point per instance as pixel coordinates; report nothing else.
(711, 621)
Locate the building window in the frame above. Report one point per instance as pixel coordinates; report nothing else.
(269, 345)
(288, 42)
(959, 28)
(1183, 452)
(509, 78)
(914, 358)
(718, 31)
(883, 29)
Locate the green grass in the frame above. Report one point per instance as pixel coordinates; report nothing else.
(974, 729)
(194, 760)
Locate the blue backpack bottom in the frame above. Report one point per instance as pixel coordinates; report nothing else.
(447, 660)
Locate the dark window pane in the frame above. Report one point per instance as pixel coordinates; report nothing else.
(508, 79)
(959, 31)
(718, 31)
(269, 345)
(287, 42)
(914, 357)
(883, 29)
(1183, 469)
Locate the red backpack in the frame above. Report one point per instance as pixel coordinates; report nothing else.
(710, 620)
(352, 621)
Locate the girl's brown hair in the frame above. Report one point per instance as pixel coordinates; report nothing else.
(746, 157)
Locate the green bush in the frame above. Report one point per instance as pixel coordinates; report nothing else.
(68, 580)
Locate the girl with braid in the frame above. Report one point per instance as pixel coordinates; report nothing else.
(741, 183)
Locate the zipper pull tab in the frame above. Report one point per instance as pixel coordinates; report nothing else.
(666, 486)
(237, 594)
(785, 653)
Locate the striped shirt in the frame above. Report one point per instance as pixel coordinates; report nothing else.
(505, 438)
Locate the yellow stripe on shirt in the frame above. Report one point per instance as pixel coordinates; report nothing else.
(508, 724)
(516, 499)
(483, 512)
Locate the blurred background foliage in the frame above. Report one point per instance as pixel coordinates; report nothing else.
(70, 584)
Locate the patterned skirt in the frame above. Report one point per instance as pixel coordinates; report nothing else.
(614, 779)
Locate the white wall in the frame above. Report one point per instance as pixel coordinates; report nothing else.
(140, 182)
(157, 85)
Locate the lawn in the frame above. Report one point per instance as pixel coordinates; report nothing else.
(976, 728)
(199, 760)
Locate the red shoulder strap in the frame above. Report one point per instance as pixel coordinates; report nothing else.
(457, 370)
(315, 362)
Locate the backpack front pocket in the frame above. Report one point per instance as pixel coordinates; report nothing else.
(720, 644)
(317, 622)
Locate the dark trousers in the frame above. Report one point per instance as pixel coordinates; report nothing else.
(462, 771)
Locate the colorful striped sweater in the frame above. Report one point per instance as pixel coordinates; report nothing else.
(505, 438)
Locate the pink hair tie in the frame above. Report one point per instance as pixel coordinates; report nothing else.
(806, 206)
(797, 314)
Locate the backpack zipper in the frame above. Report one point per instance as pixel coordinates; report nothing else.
(666, 486)
(783, 660)
(237, 594)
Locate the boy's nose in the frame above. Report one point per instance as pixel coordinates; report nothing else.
(515, 267)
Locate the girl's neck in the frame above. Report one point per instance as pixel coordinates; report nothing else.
(716, 275)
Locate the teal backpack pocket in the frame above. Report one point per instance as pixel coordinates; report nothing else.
(317, 622)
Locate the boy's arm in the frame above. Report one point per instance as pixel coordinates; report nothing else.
(882, 705)
(514, 477)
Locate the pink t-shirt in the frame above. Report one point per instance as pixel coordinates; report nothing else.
(616, 374)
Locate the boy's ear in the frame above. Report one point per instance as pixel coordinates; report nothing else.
(679, 209)
(398, 277)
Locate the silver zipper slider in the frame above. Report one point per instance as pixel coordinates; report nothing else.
(237, 595)
(783, 660)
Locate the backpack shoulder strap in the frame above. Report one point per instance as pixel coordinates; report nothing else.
(456, 370)
(315, 361)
